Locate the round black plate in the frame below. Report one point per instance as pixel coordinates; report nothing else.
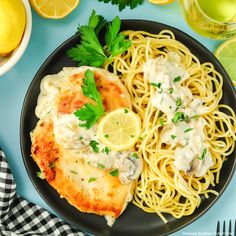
(133, 221)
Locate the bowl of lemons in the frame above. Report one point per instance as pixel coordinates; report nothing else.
(15, 31)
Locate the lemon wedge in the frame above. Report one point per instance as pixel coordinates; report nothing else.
(12, 21)
(161, 2)
(55, 9)
(226, 54)
(119, 129)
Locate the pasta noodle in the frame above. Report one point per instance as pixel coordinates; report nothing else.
(161, 188)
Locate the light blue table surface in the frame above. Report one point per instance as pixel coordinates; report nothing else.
(46, 36)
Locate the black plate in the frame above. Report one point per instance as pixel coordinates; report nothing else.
(133, 221)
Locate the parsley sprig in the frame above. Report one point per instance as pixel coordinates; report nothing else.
(124, 3)
(90, 113)
(90, 51)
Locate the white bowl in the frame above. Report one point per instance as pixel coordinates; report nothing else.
(7, 63)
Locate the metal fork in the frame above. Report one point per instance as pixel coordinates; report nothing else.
(231, 232)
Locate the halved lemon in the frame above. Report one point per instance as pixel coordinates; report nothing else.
(161, 2)
(226, 54)
(55, 9)
(119, 129)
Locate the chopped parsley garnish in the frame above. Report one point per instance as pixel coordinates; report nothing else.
(40, 174)
(173, 136)
(160, 91)
(90, 51)
(195, 117)
(126, 110)
(132, 136)
(90, 113)
(203, 154)
(74, 172)
(106, 150)
(178, 102)
(161, 121)
(80, 138)
(180, 116)
(171, 90)
(92, 179)
(94, 145)
(187, 130)
(122, 4)
(157, 85)
(106, 136)
(101, 166)
(114, 172)
(177, 79)
(135, 155)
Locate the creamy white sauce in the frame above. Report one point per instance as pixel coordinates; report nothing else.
(49, 88)
(77, 139)
(186, 136)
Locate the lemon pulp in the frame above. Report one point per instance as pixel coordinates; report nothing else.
(56, 9)
(226, 54)
(119, 129)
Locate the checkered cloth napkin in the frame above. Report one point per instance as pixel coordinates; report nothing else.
(20, 217)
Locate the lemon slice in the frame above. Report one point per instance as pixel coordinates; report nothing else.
(55, 9)
(161, 2)
(226, 54)
(119, 129)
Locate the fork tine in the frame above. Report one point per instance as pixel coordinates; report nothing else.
(235, 228)
(230, 231)
(224, 229)
(218, 228)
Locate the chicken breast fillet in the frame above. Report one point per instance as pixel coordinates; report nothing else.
(65, 171)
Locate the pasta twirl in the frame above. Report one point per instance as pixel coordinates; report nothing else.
(161, 188)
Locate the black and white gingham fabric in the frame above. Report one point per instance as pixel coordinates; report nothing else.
(20, 217)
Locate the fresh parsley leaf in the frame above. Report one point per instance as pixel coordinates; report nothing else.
(107, 136)
(96, 22)
(203, 154)
(92, 179)
(90, 52)
(158, 85)
(177, 79)
(180, 116)
(173, 136)
(114, 172)
(187, 130)
(94, 145)
(116, 41)
(74, 172)
(124, 3)
(126, 110)
(90, 113)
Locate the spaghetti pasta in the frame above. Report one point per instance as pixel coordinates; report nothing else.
(162, 188)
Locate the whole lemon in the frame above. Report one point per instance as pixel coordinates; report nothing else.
(12, 24)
